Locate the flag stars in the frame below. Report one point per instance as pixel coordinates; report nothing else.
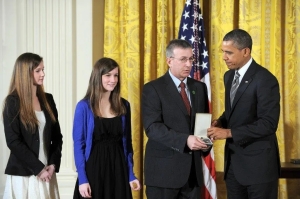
(186, 14)
(188, 3)
(182, 37)
(192, 39)
(192, 30)
(184, 27)
(204, 65)
(199, 40)
(200, 16)
(205, 53)
(195, 15)
(194, 27)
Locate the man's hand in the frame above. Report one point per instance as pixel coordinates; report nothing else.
(215, 133)
(85, 190)
(216, 123)
(195, 143)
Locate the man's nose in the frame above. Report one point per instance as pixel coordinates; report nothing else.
(189, 62)
(224, 56)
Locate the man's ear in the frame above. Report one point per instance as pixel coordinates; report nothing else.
(168, 60)
(247, 52)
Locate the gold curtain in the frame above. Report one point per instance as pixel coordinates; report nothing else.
(136, 33)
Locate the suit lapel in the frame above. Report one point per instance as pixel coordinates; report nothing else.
(228, 81)
(192, 90)
(245, 82)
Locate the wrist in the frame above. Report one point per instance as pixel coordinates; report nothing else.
(229, 135)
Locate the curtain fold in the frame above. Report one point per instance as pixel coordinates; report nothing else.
(136, 34)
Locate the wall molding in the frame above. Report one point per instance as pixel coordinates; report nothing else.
(61, 32)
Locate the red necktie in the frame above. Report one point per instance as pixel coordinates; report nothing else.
(185, 97)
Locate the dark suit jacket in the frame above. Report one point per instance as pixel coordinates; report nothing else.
(253, 119)
(24, 145)
(168, 125)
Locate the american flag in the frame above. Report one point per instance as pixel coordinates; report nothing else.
(192, 30)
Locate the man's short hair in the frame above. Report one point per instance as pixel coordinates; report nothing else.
(241, 39)
(176, 43)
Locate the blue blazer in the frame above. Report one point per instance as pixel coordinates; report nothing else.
(83, 129)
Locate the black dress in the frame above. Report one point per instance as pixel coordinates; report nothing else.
(106, 168)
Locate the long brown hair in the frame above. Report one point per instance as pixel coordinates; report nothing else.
(96, 89)
(21, 85)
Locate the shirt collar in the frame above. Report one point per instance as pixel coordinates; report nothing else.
(244, 69)
(176, 80)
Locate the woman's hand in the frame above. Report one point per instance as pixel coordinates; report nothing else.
(50, 169)
(135, 185)
(44, 175)
(85, 190)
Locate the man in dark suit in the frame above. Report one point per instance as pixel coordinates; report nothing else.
(249, 123)
(173, 166)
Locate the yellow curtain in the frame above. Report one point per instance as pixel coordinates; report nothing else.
(136, 34)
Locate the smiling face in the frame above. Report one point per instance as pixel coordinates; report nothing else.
(110, 79)
(38, 74)
(234, 58)
(180, 64)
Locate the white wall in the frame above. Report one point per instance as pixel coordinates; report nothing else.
(61, 32)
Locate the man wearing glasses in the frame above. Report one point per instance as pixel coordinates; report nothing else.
(173, 166)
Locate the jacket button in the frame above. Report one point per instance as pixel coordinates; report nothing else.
(190, 153)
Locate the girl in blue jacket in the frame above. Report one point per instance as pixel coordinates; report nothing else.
(102, 138)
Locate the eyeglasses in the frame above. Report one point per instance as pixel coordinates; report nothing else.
(184, 59)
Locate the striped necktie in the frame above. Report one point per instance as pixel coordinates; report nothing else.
(234, 86)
